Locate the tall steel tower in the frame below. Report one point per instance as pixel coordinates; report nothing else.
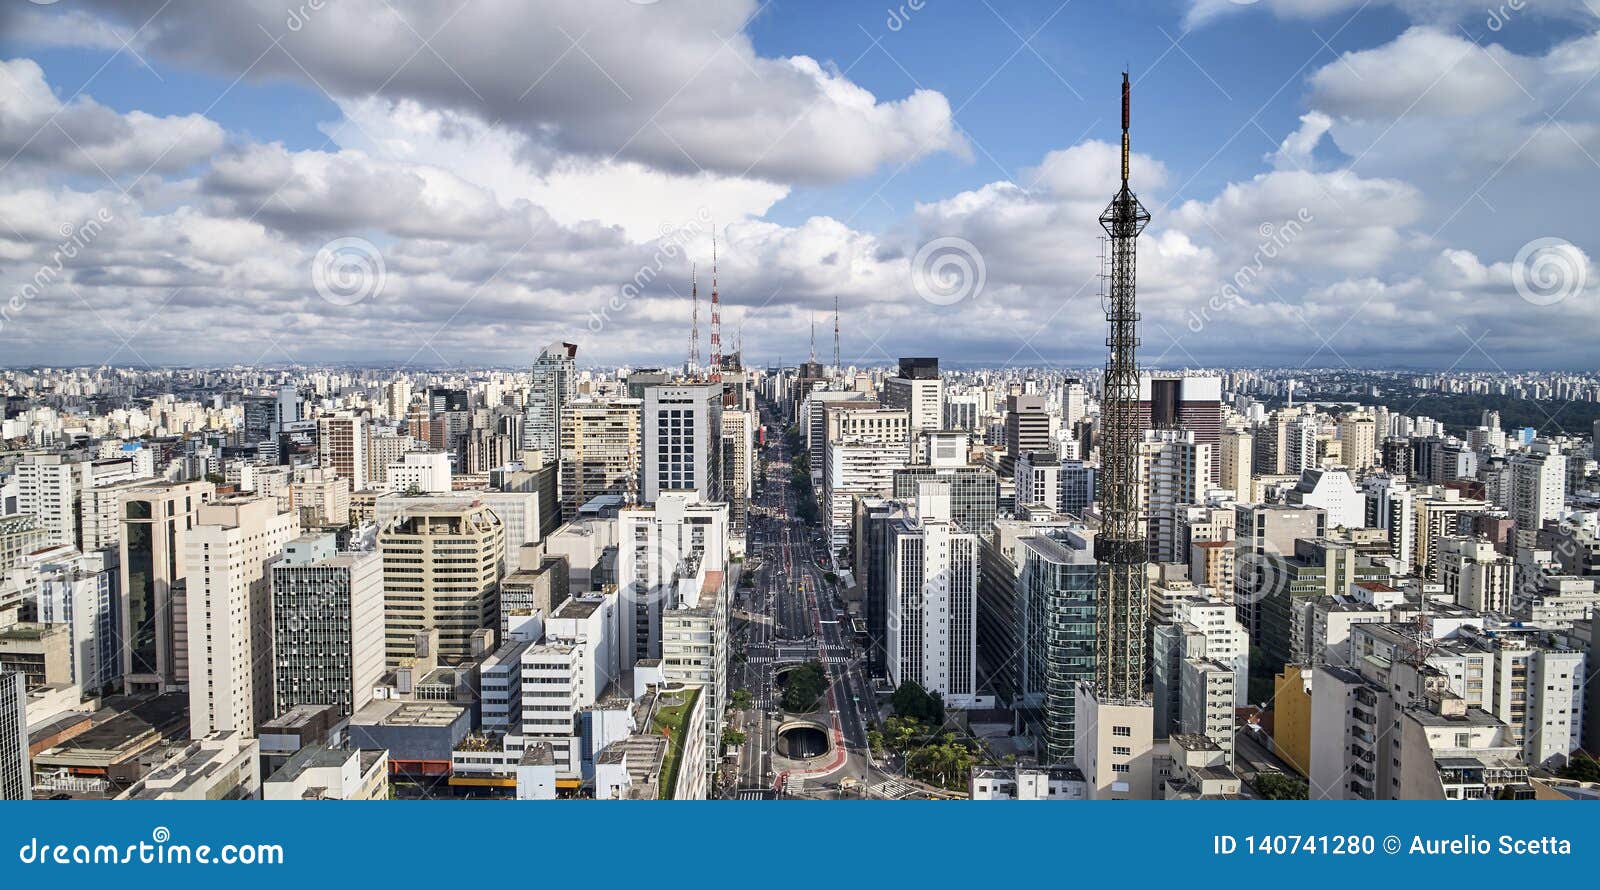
(1120, 546)
(694, 324)
(838, 369)
(716, 318)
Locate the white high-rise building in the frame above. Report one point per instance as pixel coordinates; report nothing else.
(1174, 472)
(327, 625)
(552, 385)
(1205, 631)
(679, 537)
(1538, 489)
(79, 590)
(1074, 403)
(932, 600)
(682, 433)
(1237, 453)
(919, 391)
(229, 612)
(425, 472)
(1389, 507)
(48, 487)
(1038, 480)
(1475, 575)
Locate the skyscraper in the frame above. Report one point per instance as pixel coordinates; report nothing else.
(682, 433)
(552, 385)
(327, 625)
(156, 520)
(600, 450)
(229, 611)
(932, 600)
(917, 390)
(343, 448)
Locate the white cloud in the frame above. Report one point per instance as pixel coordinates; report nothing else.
(677, 87)
(87, 137)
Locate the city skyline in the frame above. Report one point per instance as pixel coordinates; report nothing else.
(1383, 185)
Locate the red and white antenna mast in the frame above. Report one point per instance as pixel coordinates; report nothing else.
(716, 318)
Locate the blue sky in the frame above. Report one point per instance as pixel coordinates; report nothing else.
(1441, 153)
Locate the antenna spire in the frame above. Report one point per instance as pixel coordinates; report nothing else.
(716, 316)
(1127, 114)
(838, 368)
(694, 322)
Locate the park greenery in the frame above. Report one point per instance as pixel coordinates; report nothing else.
(803, 687)
(937, 758)
(911, 700)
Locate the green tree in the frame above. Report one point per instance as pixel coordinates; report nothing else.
(1277, 786)
(1581, 768)
(733, 738)
(741, 699)
(804, 687)
(911, 700)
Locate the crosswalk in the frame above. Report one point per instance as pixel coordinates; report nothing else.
(891, 789)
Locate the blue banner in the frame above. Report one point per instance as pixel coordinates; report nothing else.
(840, 844)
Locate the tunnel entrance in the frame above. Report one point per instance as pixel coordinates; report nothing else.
(803, 741)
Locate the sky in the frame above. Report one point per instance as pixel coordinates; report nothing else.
(1332, 183)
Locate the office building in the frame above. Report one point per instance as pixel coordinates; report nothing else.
(442, 564)
(917, 390)
(229, 612)
(327, 625)
(1027, 429)
(682, 435)
(680, 537)
(16, 773)
(1184, 403)
(342, 449)
(552, 384)
(601, 450)
(156, 520)
(932, 600)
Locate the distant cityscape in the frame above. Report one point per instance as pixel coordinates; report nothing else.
(812, 581)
